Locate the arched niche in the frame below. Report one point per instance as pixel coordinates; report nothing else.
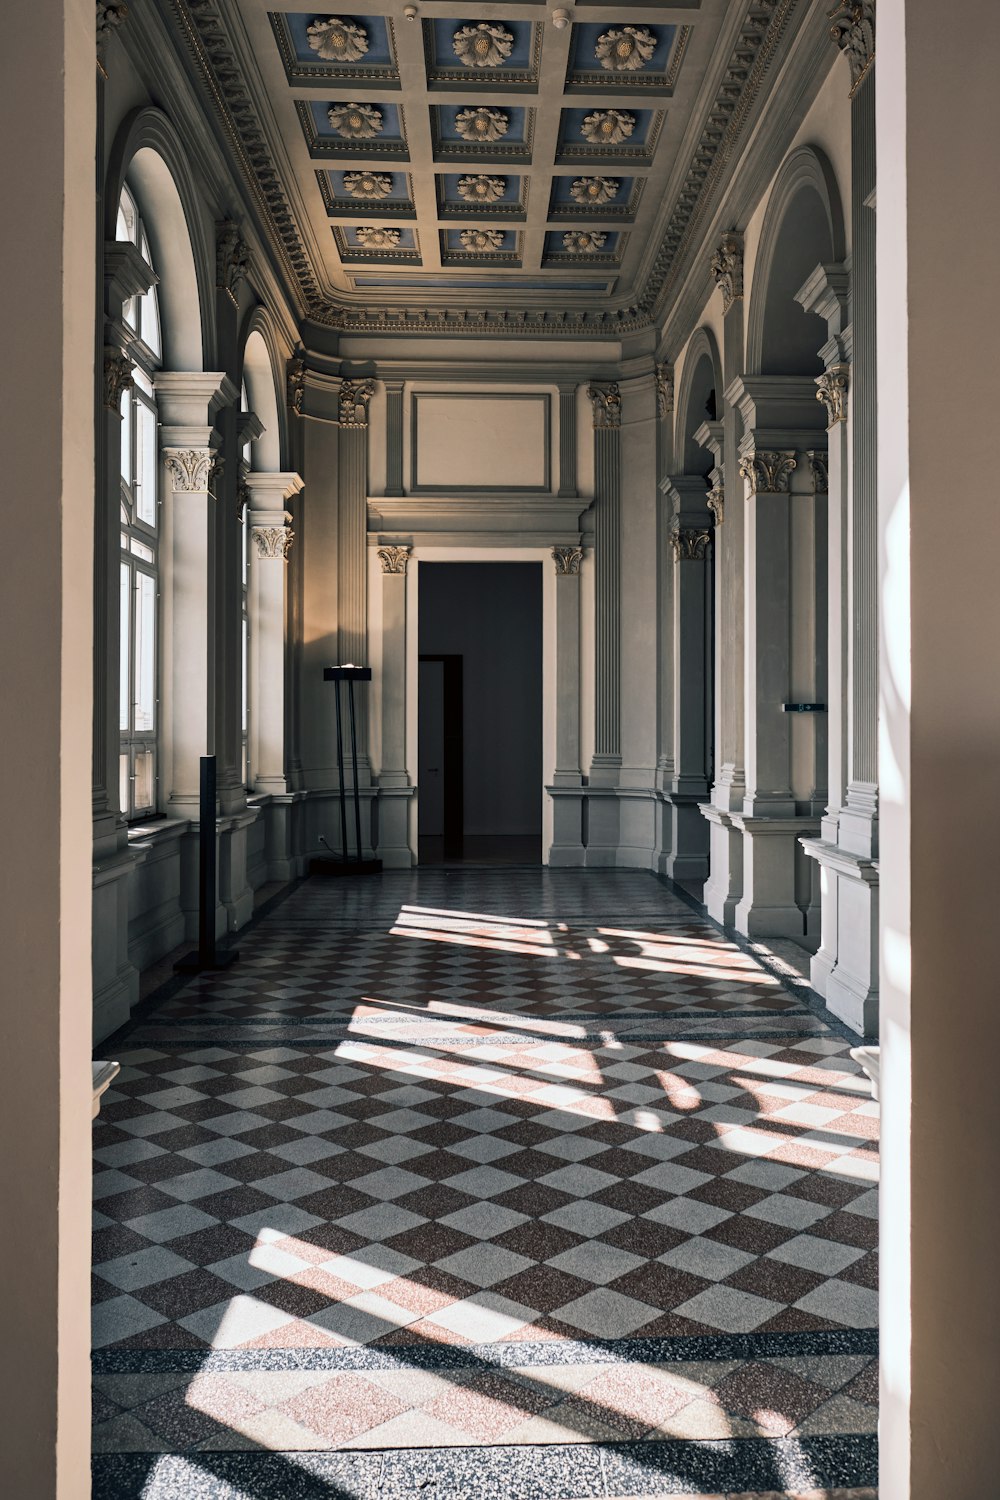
(262, 371)
(699, 399)
(803, 228)
(148, 155)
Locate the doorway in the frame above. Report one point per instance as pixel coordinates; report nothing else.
(480, 713)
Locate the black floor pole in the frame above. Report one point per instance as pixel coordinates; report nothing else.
(354, 768)
(340, 773)
(206, 863)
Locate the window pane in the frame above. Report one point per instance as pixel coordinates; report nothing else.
(124, 801)
(145, 465)
(141, 550)
(130, 313)
(144, 781)
(145, 653)
(245, 676)
(142, 380)
(149, 330)
(124, 636)
(246, 766)
(127, 436)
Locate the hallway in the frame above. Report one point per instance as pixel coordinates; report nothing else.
(484, 1182)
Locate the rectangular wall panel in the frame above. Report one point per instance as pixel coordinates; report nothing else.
(479, 441)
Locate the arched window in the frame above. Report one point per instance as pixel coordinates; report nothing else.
(138, 696)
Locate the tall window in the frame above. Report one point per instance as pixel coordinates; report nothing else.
(139, 578)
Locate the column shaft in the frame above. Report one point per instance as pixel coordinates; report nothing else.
(607, 566)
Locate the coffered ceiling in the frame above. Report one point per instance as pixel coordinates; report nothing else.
(518, 163)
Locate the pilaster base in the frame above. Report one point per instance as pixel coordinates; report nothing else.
(566, 849)
(690, 838)
(235, 891)
(394, 816)
(282, 813)
(851, 986)
(603, 826)
(724, 885)
(780, 887)
(115, 978)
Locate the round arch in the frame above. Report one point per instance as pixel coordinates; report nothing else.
(148, 153)
(261, 367)
(803, 227)
(701, 381)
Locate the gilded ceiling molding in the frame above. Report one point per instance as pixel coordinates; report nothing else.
(594, 191)
(232, 257)
(191, 469)
(716, 502)
(117, 378)
(853, 30)
(664, 377)
(689, 544)
(110, 15)
(768, 472)
(608, 127)
(483, 46)
(567, 561)
(295, 383)
(727, 268)
(481, 188)
(607, 404)
(832, 388)
(625, 51)
(354, 398)
(338, 39)
(819, 470)
(272, 541)
(394, 559)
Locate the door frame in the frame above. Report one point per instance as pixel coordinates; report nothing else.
(453, 752)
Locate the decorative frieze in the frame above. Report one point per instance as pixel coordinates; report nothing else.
(296, 383)
(853, 30)
(607, 404)
(190, 469)
(727, 268)
(832, 388)
(767, 472)
(394, 559)
(819, 470)
(117, 378)
(664, 377)
(689, 544)
(567, 560)
(716, 502)
(272, 541)
(232, 257)
(354, 398)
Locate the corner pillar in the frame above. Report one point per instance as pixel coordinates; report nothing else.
(395, 847)
(566, 790)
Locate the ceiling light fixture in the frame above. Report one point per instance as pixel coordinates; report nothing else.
(560, 19)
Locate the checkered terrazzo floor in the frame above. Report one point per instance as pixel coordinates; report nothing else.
(528, 1175)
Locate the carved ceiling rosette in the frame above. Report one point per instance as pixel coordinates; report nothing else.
(481, 239)
(483, 46)
(378, 239)
(481, 124)
(338, 40)
(482, 189)
(373, 185)
(626, 50)
(608, 127)
(853, 30)
(584, 241)
(356, 122)
(593, 191)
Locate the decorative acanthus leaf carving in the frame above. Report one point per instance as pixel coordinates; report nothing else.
(482, 124)
(819, 469)
(607, 404)
(338, 40)
(483, 46)
(853, 30)
(567, 561)
(664, 377)
(593, 191)
(716, 502)
(625, 50)
(232, 257)
(689, 544)
(378, 239)
(296, 383)
(117, 378)
(355, 122)
(191, 469)
(584, 241)
(394, 559)
(272, 541)
(727, 268)
(354, 398)
(482, 189)
(832, 388)
(608, 127)
(373, 185)
(767, 472)
(110, 15)
(481, 239)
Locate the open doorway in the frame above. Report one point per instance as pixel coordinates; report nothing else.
(480, 713)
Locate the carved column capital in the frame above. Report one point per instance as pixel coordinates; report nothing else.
(690, 544)
(117, 378)
(243, 495)
(232, 257)
(567, 561)
(272, 541)
(727, 268)
(768, 473)
(110, 15)
(716, 502)
(354, 398)
(191, 469)
(664, 377)
(296, 383)
(853, 30)
(394, 559)
(832, 388)
(819, 469)
(607, 404)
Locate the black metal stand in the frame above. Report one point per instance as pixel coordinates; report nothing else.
(347, 864)
(207, 955)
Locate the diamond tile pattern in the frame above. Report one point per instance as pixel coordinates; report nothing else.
(434, 1155)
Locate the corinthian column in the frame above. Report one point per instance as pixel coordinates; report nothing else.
(352, 550)
(607, 405)
(271, 537)
(567, 782)
(395, 788)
